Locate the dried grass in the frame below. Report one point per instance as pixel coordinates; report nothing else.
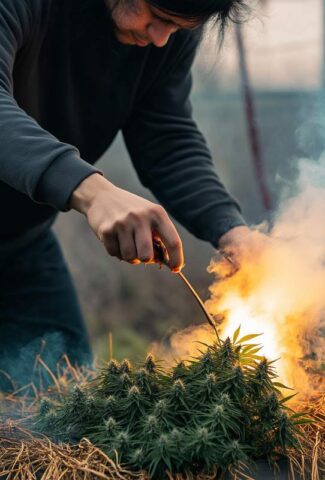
(309, 463)
(26, 457)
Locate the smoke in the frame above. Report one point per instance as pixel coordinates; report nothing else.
(182, 345)
(21, 369)
(279, 289)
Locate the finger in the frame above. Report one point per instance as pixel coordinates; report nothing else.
(127, 245)
(144, 246)
(173, 243)
(229, 262)
(112, 246)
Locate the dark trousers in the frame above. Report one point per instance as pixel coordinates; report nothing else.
(39, 312)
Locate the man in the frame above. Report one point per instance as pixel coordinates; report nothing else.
(72, 74)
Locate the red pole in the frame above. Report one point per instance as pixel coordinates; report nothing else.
(253, 132)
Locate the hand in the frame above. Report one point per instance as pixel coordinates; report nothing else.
(242, 242)
(125, 223)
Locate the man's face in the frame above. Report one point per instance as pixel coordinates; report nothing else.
(139, 23)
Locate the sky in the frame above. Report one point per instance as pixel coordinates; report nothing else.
(284, 45)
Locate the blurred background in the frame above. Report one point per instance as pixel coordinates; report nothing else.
(249, 98)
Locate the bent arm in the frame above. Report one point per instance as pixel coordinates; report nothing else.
(172, 158)
(32, 160)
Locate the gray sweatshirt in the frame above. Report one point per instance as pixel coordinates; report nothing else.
(67, 86)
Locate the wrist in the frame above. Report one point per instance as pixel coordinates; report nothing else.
(233, 235)
(83, 196)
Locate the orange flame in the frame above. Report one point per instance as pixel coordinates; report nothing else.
(265, 296)
(279, 290)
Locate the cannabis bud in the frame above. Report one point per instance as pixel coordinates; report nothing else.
(122, 442)
(134, 392)
(161, 408)
(113, 367)
(151, 426)
(110, 426)
(150, 364)
(45, 406)
(125, 366)
(111, 401)
(211, 382)
(180, 371)
(125, 380)
(90, 404)
(78, 396)
(207, 362)
(178, 387)
(137, 458)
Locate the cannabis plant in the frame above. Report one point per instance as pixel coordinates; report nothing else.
(220, 410)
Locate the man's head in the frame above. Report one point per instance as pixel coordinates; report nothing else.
(141, 22)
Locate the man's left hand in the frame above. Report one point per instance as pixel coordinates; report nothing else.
(242, 242)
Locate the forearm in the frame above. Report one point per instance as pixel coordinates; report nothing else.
(33, 161)
(178, 168)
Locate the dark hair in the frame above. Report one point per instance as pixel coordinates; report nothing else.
(200, 11)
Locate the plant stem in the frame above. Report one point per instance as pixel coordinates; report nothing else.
(200, 302)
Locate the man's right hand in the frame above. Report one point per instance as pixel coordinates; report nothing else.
(125, 223)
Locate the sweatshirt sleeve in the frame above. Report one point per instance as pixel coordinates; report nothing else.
(171, 156)
(32, 160)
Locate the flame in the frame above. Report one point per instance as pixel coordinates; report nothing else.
(278, 291)
(265, 296)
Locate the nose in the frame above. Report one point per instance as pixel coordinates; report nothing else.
(159, 33)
